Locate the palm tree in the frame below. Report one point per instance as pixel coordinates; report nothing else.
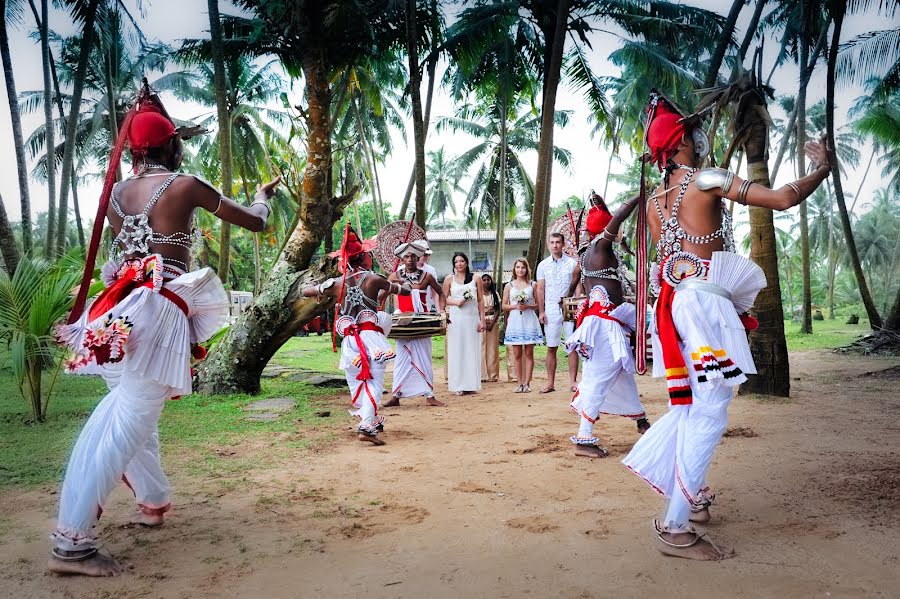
(221, 92)
(838, 10)
(9, 12)
(501, 177)
(318, 40)
(68, 160)
(442, 183)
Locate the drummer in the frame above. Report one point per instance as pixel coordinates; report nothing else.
(413, 373)
(605, 321)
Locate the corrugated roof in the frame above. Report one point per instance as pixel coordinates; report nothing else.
(476, 235)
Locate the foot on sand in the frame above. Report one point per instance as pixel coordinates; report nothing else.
(148, 520)
(548, 389)
(369, 439)
(643, 425)
(392, 403)
(68, 562)
(431, 401)
(690, 545)
(590, 451)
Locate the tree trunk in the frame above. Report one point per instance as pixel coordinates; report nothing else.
(8, 248)
(68, 162)
(21, 165)
(51, 214)
(370, 161)
(415, 82)
(767, 343)
(832, 254)
(893, 320)
(224, 119)
(806, 317)
(236, 363)
(863, 180)
(432, 66)
(49, 140)
(501, 205)
(718, 55)
(872, 312)
(748, 36)
(541, 209)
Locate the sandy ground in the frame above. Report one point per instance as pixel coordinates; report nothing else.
(485, 499)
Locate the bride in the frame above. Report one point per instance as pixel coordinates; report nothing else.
(466, 315)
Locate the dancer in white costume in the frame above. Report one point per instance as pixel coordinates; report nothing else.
(604, 323)
(699, 342)
(365, 350)
(138, 333)
(413, 373)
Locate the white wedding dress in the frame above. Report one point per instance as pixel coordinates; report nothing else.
(464, 341)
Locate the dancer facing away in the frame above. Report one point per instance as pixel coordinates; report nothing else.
(553, 275)
(699, 344)
(365, 349)
(138, 333)
(605, 322)
(465, 310)
(413, 374)
(523, 330)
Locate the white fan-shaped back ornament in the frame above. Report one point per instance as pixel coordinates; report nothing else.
(742, 277)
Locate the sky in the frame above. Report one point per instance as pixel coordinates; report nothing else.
(589, 168)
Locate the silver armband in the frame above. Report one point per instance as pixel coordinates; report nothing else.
(321, 287)
(710, 178)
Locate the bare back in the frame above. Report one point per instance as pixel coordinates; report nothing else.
(171, 214)
(599, 259)
(699, 214)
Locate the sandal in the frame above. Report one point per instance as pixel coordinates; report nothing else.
(660, 530)
(547, 390)
(520, 389)
(526, 389)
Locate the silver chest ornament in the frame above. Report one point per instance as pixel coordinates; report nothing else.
(136, 234)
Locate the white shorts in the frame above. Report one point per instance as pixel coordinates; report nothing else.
(556, 330)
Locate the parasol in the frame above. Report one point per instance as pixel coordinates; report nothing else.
(390, 237)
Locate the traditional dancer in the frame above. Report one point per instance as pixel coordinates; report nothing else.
(604, 324)
(413, 373)
(553, 275)
(699, 342)
(365, 350)
(138, 333)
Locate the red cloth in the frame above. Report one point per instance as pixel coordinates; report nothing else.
(664, 131)
(149, 129)
(119, 290)
(365, 373)
(599, 310)
(677, 379)
(598, 218)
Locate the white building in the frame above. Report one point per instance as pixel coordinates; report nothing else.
(478, 245)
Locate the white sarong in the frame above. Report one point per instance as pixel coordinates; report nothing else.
(413, 373)
(607, 385)
(673, 457)
(120, 441)
(365, 395)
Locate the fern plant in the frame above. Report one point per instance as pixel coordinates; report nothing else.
(32, 301)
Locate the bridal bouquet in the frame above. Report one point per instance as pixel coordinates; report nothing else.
(520, 296)
(467, 295)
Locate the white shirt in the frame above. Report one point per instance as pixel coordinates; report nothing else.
(556, 274)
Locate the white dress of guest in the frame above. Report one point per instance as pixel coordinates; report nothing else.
(464, 340)
(522, 326)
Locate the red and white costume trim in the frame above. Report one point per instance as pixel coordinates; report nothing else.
(141, 345)
(607, 385)
(365, 352)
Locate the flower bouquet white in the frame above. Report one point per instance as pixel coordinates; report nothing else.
(520, 296)
(467, 295)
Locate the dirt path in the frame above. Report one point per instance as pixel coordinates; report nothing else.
(484, 499)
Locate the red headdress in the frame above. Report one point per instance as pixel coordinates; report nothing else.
(664, 130)
(351, 246)
(598, 216)
(150, 128)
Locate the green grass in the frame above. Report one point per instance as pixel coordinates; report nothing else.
(827, 334)
(196, 431)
